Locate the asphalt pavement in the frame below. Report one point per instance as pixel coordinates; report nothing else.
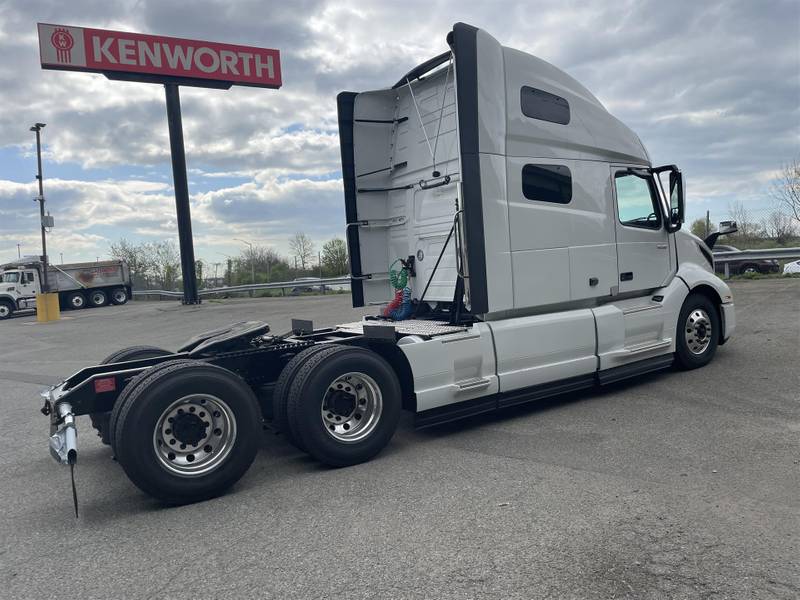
(675, 485)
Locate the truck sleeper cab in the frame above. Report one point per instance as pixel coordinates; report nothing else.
(525, 245)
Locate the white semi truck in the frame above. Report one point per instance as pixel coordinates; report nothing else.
(78, 285)
(525, 244)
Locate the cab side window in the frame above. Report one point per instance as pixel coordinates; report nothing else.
(636, 201)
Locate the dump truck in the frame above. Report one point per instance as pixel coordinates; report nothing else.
(78, 285)
(515, 241)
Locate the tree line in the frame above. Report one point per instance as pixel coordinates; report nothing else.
(779, 225)
(156, 265)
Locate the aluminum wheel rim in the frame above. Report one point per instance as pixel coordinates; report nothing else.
(352, 407)
(98, 298)
(120, 296)
(698, 331)
(198, 454)
(4, 310)
(77, 302)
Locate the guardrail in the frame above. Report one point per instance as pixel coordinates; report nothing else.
(761, 254)
(250, 287)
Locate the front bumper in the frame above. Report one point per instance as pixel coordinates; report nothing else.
(728, 320)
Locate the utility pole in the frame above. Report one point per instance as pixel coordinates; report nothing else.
(708, 223)
(19, 252)
(37, 128)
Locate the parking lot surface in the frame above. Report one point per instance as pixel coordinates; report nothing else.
(675, 485)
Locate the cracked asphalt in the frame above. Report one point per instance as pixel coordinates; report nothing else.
(675, 485)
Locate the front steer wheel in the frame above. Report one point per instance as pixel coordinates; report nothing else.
(344, 406)
(698, 332)
(187, 432)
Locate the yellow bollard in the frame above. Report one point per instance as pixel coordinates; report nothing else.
(47, 308)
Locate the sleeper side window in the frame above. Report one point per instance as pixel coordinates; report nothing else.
(538, 104)
(636, 201)
(547, 183)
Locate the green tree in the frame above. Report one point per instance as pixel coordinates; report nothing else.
(334, 257)
(698, 228)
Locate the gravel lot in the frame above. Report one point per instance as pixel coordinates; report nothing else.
(677, 485)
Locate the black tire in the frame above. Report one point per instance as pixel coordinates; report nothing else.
(119, 296)
(76, 301)
(313, 386)
(697, 332)
(6, 309)
(97, 298)
(280, 395)
(101, 420)
(748, 268)
(129, 389)
(142, 414)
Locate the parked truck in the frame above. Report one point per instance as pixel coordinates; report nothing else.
(516, 242)
(78, 285)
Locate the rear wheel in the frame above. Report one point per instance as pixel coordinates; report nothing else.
(76, 300)
(344, 406)
(187, 432)
(119, 295)
(98, 298)
(6, 309)
(280, 396)
(101, 420)
(698, 332)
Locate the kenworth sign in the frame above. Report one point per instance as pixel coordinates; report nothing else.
(102, 51)
(172, 62)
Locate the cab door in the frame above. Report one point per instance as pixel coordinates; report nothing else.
(643, 256)
(27, 284)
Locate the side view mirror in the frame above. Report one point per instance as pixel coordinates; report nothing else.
(725, 228)
(676, 203)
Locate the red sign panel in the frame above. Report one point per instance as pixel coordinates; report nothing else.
(100, 50)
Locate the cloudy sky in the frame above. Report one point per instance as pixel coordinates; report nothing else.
(711, 86)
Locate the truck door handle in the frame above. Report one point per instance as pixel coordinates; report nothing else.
(627, 276)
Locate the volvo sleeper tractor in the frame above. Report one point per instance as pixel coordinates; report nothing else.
(516, 242)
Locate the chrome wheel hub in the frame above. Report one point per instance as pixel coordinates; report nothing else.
(4, 310)
(120, 297)
(352, 407)
(698, 331)
(194, 435)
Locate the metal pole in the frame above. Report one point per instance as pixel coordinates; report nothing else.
(19, 252)
(37, 129)
(182, 207)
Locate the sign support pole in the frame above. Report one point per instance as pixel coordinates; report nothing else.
(181, 194)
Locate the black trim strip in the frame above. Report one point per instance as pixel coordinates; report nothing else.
(464, 41)
(399, 165)
(385, 189)
(388, 121)
(545, 390)
(640, 367)
(345, 103)
(453, 412)
(467, 408)
(420, 70)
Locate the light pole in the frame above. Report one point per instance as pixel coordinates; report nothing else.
(19, 252)
(37, 128)
(252, 260)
